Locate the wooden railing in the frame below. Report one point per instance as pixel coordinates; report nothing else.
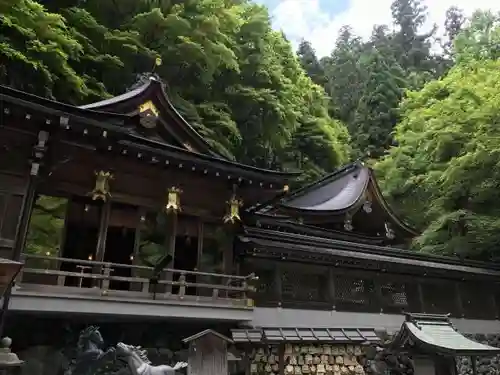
(47, 274)
(351, 290)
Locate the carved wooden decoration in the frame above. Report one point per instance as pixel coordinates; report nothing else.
(148, 114)
(389, 232)
(102, 189)
(348, 223)
(188, 146)
(367, 204)
(173, 200)
(233, 213)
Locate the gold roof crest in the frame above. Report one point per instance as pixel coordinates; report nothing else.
(149, 114)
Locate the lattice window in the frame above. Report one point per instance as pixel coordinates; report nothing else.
(354, 293)
(302, 287)
(477, 302)
(266, 286)
(440, 298)
(394, 296)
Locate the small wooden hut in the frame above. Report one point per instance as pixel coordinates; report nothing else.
(208, 353)
(434, 344)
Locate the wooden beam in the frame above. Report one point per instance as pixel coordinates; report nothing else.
(199, 252)
(103, 231)
(39, 150)
(170, 246)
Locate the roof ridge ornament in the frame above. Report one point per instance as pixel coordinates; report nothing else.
(142, 79)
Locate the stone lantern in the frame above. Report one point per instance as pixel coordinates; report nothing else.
(9, 362)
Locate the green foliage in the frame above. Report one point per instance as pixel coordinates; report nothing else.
(235, 80)
(480, 40)
(36, 47)
(376, 113)
(366, 79)
(447, 156)
(310, 63)
(241, 86)
(430, 131)
(46, 229)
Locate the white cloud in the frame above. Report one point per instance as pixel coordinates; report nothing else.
(304, 18)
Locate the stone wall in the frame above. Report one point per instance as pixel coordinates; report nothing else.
(377, 361)
(485, 365)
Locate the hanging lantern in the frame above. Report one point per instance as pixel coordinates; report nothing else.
(233, 214)
(173, 200)
(102, 189)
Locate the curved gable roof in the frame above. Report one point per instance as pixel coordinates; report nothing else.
(100, 119)
(170, 123)
(338, 193)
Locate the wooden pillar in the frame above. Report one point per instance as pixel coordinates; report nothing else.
(458, 300)
(103, 231)
(64, 233)
(421, 299)
(474, 365)
(140, 219)
(199, 247)
(228, 250)
(278, 288)
(331, 287)
(39, 151)
(25, 217)
(379, 298)
(246, 359)
(281, 356)
(199, 255)
(170, 246)
(101, 240)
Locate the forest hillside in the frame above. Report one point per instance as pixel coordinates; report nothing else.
(422, 110)
(425, 113)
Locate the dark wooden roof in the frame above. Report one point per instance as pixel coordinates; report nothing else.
(205, 333)
(335, 196)
(435, 334)
(294, 247)
(121, 131)
(170, 126)
(290, 225)
(305, 335)
(335, 193)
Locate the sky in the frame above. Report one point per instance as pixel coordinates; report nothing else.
(319, 21)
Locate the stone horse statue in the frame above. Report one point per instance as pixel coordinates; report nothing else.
(139, 363)
(90, 357)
